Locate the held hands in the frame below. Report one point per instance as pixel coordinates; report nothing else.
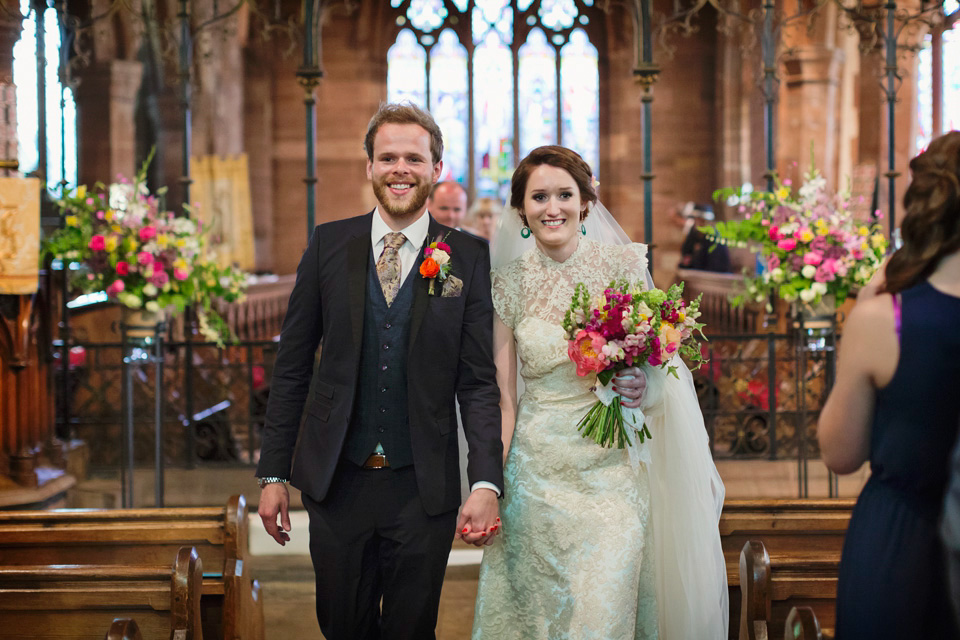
(275, 500)
(478, 523)
(631, 383)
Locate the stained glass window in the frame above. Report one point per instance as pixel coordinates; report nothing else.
(25, 79)
(534, 80)
(537, 92)
(407, 70)
(450, 103)
(949, 82)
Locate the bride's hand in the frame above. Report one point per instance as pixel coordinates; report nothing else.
(630, 384)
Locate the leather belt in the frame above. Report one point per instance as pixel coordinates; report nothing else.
(376, 461)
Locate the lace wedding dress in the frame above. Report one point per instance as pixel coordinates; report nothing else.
(573, 559)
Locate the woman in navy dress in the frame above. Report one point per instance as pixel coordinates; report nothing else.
(896, 403)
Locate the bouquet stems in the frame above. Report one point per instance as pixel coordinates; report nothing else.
(605, 425)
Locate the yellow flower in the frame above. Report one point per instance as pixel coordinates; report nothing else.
(682, 316)
(73, 221)
(181, 243)
(162, 240)
(783, 193)
(108, 215)
(823, 230)
(864, 247)
(806, 235)
(878, 241)
(116, 228)
(863, 231)
(111, 243)
(179, 263)
(82, 191)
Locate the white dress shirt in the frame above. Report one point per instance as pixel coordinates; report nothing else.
(415, 233)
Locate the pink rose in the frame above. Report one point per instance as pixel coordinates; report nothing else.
(180, 274)
(123, 268)
(147, 234)
(585, 352)
(97, 243)
(773, 262)
(145, 258)
(160, 278)
(813, 257)
(115, 287)
(774, 233)
(787, 244)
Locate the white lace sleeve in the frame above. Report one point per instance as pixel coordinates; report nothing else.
(633, 265)
(507, 297)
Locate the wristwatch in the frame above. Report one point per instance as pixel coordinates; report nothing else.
(269, 480)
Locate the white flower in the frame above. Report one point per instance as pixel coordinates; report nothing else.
(777, 275)
(790, 296)
(644, 310)
(150, 290)
(808, 271)
(440, 256)
(152, 306)
(808, 295)
(119, 195)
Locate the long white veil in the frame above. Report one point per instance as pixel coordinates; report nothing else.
(686, 492)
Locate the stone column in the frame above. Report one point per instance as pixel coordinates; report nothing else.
(808, 111)
(106, 99)
(10, 28)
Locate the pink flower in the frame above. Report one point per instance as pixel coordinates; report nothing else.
(123, 268)
(115, 287)
(89, 201)
(99, 215)
(823, 274)
(427, 252)
(774, 233)
(160, 278)
(773, 262)
(180, 274)
(147, 234)
(585, 352)
(443, 246)
(813, 257)
(787, 244)
(145, 258)
(97, 243)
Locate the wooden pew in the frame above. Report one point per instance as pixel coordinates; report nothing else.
(790, 528)
(123, 629)
(231, 605)
(802, 624)
(772, 586)
(77, 602)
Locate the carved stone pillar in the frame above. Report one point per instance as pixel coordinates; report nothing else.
(106, 99)
(10, 29)
(808, 111)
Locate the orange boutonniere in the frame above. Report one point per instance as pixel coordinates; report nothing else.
(436, 262)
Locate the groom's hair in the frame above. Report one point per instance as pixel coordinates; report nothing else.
(404, 113)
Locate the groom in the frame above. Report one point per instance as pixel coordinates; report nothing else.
(376, 460)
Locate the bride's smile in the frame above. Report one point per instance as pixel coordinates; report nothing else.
(552, 206)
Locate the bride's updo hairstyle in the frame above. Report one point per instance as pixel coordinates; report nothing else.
(931, 226)
(561, 158)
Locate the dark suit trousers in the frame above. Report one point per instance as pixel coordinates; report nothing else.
(371, 538)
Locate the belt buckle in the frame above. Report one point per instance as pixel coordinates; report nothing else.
(376, 461)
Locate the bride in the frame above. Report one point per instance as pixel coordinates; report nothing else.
(592, 546)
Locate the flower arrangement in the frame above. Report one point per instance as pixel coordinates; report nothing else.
(809, 243)
(436, 262)
(623, 327)
(143, 257)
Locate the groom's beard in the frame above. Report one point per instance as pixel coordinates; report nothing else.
(407, 204)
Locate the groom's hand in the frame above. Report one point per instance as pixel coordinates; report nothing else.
(478, 521)
(630, 383)
(274, 501)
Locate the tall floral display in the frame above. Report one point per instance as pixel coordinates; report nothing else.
(810, 246)
(142, 256)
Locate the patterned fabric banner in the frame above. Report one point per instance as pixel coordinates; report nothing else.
(221, 191)
(19, 235)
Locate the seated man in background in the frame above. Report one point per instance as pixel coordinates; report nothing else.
(698, 251)
(448, 203)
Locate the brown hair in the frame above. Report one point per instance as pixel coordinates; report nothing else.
(404, 113)
(555, 156)
(931, 226)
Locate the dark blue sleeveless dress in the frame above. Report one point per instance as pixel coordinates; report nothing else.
(893, 580)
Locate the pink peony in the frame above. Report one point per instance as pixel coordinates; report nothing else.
(97, 243)
(774, 233)
(584, 351)
(145, 258)
(180, 274)
(813, 257)
(160, 278)
(123, 268)
(147, 234)
(115, 287)
(787, 244)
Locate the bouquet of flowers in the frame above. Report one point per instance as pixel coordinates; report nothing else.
(623, 327)
(140, 255)
(810, 245)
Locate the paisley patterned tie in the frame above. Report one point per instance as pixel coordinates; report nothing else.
(388, 265)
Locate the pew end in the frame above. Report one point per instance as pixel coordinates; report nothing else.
(123, 629)
(802, 624)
